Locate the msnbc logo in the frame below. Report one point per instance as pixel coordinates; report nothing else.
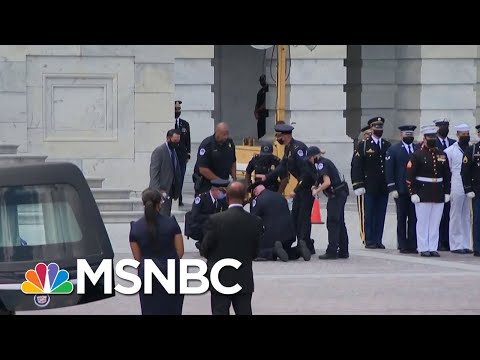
(45, 280)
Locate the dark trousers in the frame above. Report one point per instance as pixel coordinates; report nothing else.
(375, 211)
(269, 253)
(183, 170)
(444, 239)
(242, 303)
(406, 223)
(261, 126)
(337, 231)
(476, 222)
(302, 216)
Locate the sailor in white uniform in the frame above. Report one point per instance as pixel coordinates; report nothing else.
(459, 231)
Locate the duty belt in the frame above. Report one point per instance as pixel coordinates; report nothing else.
(430, 180)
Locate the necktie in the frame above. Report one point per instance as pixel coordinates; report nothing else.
(172, 156)
(411, 149)
(443, 143)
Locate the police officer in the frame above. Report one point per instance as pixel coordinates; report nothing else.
(183, 151)
(215, 159)
(294, 163)
(204, 205)
(396, 171)
(428, 184)
(471, 183)
(263, 164)
(272, 208)
(368, 177)
(443, 142)
(336, 190)
(261, 111)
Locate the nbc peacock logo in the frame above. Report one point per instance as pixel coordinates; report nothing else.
(45, 281)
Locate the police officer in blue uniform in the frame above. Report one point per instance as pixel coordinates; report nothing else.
(396, 171)
(471, 183)
(294, 163)
(183, 150)
(204, 205)
(443, 142)
(368, 177)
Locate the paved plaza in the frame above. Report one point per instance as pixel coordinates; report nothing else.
(369, 282)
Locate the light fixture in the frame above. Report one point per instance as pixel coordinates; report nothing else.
(261, 47)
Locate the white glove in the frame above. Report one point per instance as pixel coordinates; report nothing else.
(415, 199)
(394, 194)
(471, 195)
(359, 191)
(447, 198)
(315, 192)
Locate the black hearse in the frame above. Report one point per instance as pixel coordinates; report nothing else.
(48, 215)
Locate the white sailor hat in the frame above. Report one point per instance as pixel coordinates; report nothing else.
(462, 127)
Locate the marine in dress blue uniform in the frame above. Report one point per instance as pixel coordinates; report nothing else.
(443, 142)
(368, 177)
(184, 149)
(396, 171)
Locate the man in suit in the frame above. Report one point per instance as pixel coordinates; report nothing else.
(234, 234)
(261, 112)
(443, 142)
(183, 150)
(396, 171)
(165, 173)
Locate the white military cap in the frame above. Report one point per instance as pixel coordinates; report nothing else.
(441, 121)
(428, 129)
(462, 127)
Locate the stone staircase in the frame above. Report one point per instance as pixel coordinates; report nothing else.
(117, 206)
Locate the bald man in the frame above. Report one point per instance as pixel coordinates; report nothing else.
(215, 159)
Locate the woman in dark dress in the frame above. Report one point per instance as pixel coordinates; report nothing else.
(157, 237)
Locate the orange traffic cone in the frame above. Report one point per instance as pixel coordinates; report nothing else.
(316, 217)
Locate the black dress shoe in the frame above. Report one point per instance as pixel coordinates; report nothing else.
(380, 246)
(476, 253)
(343, 255)
(403, 251)
(443, 248)
(468, 251)
(459, 251)
(304, 251)
(327, 256)
(434, 254)
(280, 252)
(413, 251)
(371, 246)
(425, 253)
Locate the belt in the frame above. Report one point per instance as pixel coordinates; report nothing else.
(430, 180)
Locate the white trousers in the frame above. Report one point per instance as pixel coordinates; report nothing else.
(459, 227)
(429, 216)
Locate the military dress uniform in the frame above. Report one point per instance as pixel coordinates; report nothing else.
(470, 173)
(183, 150)
(262, 164)
(428, 184)
(396, 172)
(293, 162)
(443, 142)
(368, 177)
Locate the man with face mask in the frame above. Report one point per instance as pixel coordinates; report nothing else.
(428, 184)
(459, 226)
(396, 172)
(165, 172)
(443, 142)
(471, 184)
(261, 112)
(368, 177)
(183, 151)
(204, 205)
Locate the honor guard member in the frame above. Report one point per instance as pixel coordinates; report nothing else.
(263, 164)
(294, 163)
(272, 208)
(396, 171)
(471, 183)
(368, 177)
(204, 205)
(428, 184)
(216, 159)
(336, 190)
(183, 151)
(443, 142)
(459, 225)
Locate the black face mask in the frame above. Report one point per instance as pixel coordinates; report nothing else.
(408, 140)
(177, 114)
(464, 140)
(173, 145)
(280, 141)
(431, 143)
(443, 132)
(378, 133)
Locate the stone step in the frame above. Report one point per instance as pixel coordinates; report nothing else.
(133, 204)
(124, 217)
(100, 194)
(94, 182)
(8, 149)
(15, 159)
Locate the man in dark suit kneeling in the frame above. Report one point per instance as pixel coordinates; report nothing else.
(233, 234)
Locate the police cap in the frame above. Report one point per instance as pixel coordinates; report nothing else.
(376, 122)
(284, 128)
(441, 122)
(220, 183)
(407, 129)
(313, 150)
(266, 148)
